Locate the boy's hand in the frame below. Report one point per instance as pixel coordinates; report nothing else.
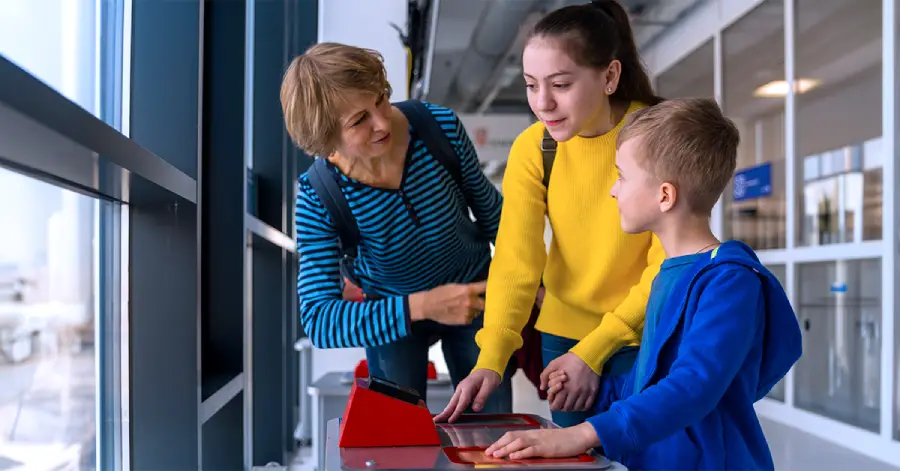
(582, 384)
(555, 385)
(547, 443)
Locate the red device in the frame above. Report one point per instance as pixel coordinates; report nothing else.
(362, 370)
(382, 414)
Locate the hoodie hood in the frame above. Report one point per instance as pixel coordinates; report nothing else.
(783, 341)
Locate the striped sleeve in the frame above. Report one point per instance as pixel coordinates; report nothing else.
(328, 320)
(482, 196)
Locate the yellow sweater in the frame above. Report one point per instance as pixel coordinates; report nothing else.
(597, 278)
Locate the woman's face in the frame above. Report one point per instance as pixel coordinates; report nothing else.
(569, 99)
(365, 126)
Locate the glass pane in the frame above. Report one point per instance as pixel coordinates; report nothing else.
(57, 42)
(753, 82)
(780, 272)
(48, 379)
(838, 84)
(839, 374)
(693, 76)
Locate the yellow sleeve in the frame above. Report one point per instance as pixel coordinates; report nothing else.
(519, 254)
(625, 324)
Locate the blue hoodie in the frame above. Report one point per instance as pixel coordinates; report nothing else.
(727, 337)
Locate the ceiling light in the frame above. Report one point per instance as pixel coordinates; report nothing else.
(779, 88)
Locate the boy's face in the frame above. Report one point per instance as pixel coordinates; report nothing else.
(636, 192)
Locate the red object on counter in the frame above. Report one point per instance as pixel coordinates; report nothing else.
(375, 419)
(362, 369)
(432, 371)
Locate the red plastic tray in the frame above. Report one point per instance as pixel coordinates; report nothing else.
(475, 456)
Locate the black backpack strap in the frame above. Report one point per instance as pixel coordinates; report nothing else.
(548, 149)
(432, 135)
(329, 191)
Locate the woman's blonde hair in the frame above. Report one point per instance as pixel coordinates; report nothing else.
(315, 85)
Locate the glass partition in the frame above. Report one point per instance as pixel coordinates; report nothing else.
(839, 374)
(693, 76)
(838, 121)
(754, 98)
(48, 326)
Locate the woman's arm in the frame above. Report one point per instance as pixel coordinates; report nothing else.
(519, 256)
(625, 323)
(481, 195)
(328, 320)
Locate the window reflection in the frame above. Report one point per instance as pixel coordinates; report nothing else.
(47, 325)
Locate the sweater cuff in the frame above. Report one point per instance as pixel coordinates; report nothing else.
(495, 352)
(598, 346)
(612, 432)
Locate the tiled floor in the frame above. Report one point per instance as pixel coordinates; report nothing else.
(792, 449)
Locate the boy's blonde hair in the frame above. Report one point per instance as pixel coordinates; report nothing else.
(689, 143)
(315, 85)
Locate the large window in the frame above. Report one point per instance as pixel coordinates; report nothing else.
(693, 76)
(838, 125)
(753, 97)
(56, 40)
(48, 326)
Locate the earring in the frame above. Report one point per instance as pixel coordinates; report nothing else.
(608, 89)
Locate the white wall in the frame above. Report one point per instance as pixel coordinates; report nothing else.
(363, 24)
(493, 134)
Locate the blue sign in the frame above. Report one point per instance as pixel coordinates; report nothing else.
(754, 182)
(838, 287)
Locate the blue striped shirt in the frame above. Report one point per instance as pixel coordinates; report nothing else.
(413, 239)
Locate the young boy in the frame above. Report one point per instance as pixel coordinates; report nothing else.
(719, 330)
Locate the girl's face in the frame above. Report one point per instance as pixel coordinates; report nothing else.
(569, 99)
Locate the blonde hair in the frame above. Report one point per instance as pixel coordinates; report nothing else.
(316, 84)
(689, 143)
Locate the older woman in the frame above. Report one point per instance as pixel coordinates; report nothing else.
(395, 202)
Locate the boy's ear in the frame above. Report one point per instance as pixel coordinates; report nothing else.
(667, 196)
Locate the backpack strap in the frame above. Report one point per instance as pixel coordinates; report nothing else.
(329, 191)
(548, 149)
(433, 136)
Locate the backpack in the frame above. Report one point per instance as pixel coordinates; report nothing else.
(422, 121)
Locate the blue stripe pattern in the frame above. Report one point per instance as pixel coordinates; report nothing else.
(413, 239)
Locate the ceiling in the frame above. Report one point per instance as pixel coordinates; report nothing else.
(476, 55)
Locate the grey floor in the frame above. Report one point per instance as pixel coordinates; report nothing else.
(792, 449)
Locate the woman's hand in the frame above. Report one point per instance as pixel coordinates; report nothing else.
(454, 304)
(473, 390)
(545, 443)
(581, 384)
